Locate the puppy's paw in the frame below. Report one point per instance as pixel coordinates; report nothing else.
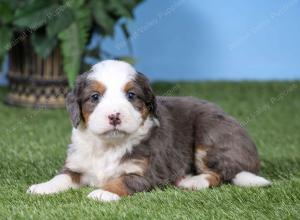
(42, 188)
(104, 196)
(194, 182)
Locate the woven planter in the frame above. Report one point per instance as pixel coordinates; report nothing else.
(35, 82)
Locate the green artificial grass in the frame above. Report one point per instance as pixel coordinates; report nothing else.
(33, 147)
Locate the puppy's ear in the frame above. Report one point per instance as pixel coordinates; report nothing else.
(73, 108)
(150, 99)
(73, 100)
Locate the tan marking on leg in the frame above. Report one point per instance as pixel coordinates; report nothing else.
(213, 179)
(143, 163)
(135, 164)
(74, 175)
(200, 155)
(201, 147)
(201, 181)
(116, 186)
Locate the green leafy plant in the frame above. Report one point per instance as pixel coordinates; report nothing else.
(67, 23)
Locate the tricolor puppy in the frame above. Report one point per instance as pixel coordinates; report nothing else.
(126, 140)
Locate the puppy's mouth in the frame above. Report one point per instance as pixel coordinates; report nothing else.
(114, 133)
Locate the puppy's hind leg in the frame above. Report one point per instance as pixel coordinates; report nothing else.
(247, 179)
(202, 181)
(206, 178)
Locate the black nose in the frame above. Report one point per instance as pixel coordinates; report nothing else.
(114, 119)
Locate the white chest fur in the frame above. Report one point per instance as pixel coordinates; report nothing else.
(99, 167)
(97, 162)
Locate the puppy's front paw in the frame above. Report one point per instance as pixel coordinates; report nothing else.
(104, 196)
(42, 188)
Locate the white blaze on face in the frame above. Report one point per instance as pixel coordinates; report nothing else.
(114, 75)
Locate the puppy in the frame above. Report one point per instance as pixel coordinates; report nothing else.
(126, 140)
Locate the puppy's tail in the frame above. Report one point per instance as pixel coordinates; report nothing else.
(246, 179)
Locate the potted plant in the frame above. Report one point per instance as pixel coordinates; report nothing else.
(46, 41)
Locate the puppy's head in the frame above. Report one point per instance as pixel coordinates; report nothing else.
(112, 100)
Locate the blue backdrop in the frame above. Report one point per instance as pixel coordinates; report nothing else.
(215, 39)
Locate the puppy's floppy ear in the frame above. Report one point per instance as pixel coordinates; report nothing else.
(73, 101)
(73, 108)
(150, 99)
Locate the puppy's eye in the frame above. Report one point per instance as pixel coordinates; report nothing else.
(95, 97)
(130, 96)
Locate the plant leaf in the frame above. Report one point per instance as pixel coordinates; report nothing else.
(43, 44)
(102, 18)
(118, 9)
(126, 35)
(36, 14)
(73, 41)
(6, 13)
(5, 39)
(125, 30)
(130, 5)
(60, 22)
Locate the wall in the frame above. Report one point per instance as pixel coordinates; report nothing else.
(214, 39)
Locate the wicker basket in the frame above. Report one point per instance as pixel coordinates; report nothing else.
(35, 82)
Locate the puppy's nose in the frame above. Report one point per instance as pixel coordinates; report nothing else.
(114, 119)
